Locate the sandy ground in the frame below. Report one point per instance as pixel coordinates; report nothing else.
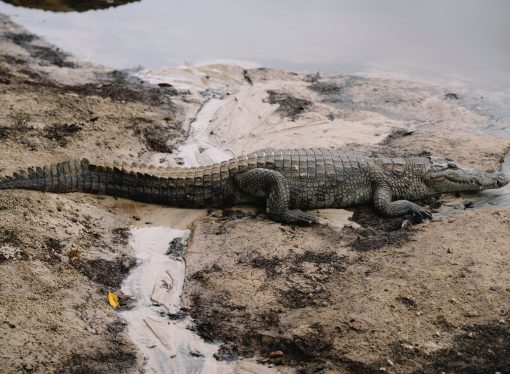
(374, 295)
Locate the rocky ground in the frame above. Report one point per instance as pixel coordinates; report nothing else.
(365, 295)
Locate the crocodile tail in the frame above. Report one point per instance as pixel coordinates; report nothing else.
(187, 187)
(66, 176)
(130, 181)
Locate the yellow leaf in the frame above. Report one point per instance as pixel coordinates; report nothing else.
(113, 300)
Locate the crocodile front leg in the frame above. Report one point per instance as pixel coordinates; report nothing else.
(384, 205)
(272, 186)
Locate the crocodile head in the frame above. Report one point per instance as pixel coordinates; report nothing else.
(445, 175)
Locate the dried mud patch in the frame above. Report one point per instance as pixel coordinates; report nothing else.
(289, 106)
(157, 136)
(376, 231)
(479, 349)
(98, 362)
(60, 132)
(108, 273)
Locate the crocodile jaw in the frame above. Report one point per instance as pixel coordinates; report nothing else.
(465, 179)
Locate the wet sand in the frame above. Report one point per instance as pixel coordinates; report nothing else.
(356, 294)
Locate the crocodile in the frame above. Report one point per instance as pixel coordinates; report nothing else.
(287, 181)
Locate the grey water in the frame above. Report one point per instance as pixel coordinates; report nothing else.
(466, 41)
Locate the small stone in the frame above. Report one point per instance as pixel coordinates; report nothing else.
(196, 354)
(471, 314)
(382, 369)
(419, 313)
(390, 362)
(275, 354)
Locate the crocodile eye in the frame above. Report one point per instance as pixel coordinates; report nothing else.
(452, 165)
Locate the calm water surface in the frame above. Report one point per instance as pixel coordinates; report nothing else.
(454, 41)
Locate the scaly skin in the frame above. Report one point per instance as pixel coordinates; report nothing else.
(287, 181)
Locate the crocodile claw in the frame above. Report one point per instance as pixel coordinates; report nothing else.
(297, 217)
(422, 214)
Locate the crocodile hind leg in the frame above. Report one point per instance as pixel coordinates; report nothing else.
(272, 186)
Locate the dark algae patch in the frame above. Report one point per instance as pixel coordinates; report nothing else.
(155, 135)
(177, 247)
(114, 360)
(48, 55)
(121, 236)
(479, 349)
(289, 106)
(119, 86)
(61, 132)
(108, 273)
(377, 231)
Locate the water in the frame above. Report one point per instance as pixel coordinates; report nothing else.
(451, 41)
(499, 197)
